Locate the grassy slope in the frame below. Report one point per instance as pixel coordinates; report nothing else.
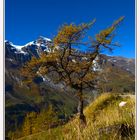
(105, 121)
(21, 100)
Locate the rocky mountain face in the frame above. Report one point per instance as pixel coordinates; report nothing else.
(16, 56)
(24, 53)
(127, 64)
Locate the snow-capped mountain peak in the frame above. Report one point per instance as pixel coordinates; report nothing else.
(29, 43)
(25, 52)
(11, 44)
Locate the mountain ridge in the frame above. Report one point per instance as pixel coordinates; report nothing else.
(41, 44)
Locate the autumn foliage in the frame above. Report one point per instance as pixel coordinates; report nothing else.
(72, 67)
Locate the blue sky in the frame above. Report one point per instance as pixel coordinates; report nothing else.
(26, 20)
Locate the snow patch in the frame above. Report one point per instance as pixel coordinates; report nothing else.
(114, 60)
(29, 44)
(18, 47)
(121, 104)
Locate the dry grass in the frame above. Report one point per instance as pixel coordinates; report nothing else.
(105, 121)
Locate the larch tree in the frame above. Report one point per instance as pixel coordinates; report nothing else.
(72, 67)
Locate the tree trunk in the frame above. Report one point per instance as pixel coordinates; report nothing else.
(82, 117)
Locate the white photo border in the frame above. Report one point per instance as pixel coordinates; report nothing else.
(2, 66)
